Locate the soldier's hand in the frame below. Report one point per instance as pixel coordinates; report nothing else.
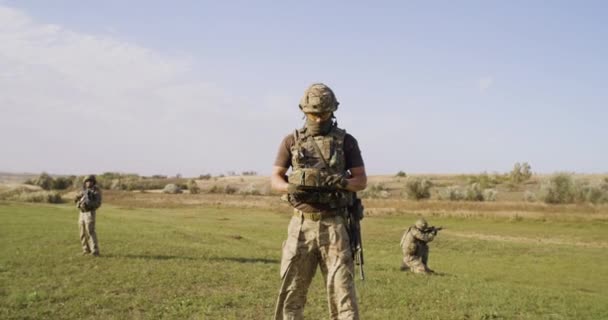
(336, 181)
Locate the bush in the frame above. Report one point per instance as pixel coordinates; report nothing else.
(62, 183)
(44, 181)
(452, 193)
(11, 194)
(375, 191)
(596, 195)
(172, 189)
(204, 176)
(562, 188)
(485, 180)
(27, 195)
(401, 174)
(107, 180)
(559, 189)
(250, 190)
(588, 193)
(474, 192)
(193, 187)
(118, 185)
(131, 182)
(604, 185)
(228, 189)
(529, 196)
(489, 194)
(418, 188)
(40, 196)
(214, 189)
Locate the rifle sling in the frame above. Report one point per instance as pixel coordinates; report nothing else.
(318, 150)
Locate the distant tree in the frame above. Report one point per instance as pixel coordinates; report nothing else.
(401, 174)
(521, 172)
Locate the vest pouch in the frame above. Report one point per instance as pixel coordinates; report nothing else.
(308, 177)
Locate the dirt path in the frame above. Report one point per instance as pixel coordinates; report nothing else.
(553, 241)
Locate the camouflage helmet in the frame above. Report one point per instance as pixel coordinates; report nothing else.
(421, 224)
(318, 98)
(91, 178)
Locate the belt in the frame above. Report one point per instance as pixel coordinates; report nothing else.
(316, 216)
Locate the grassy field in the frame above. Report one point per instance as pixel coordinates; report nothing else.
(210, 261)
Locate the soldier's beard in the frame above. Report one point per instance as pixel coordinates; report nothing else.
(319, 128)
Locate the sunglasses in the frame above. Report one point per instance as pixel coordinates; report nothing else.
(319, 116)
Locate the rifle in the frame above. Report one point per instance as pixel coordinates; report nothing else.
(355, 214)
(322, 189)
(433, 229)
(88, 196)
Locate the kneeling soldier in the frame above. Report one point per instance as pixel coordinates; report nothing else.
(414, 244)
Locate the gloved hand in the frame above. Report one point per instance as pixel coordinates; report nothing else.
(336, 181)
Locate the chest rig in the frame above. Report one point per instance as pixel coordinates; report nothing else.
(315, 158)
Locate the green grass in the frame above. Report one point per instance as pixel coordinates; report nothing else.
(223, 263)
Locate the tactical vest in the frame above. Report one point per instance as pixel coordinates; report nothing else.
(315, 158)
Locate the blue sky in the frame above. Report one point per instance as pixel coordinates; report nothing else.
(194, 86)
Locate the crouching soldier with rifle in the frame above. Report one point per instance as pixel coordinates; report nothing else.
(414, 244)
(326, 171)
(88, 200)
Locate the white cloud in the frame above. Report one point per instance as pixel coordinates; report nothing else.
(484, 83)
(73, 102)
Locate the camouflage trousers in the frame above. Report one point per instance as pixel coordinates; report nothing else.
(417, 262)
(88, 236)
(323, 243)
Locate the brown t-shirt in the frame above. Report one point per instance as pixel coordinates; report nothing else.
(352, 159)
